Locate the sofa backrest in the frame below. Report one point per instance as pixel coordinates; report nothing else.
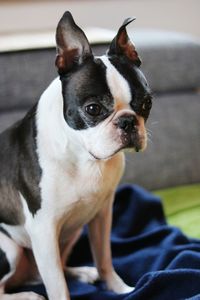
(170, 62)
(24, 76)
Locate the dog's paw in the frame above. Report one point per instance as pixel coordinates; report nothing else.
(126, 289)
(83, 274)
(116, 284)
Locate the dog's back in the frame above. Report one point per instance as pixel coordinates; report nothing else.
(17, 173)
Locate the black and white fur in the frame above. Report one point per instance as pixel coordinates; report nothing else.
(60, 165)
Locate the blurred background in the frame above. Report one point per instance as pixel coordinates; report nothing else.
(25, 16)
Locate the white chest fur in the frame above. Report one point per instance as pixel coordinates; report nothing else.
(74, 196)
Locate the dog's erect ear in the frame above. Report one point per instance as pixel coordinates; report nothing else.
(122, 45)
(72, 45)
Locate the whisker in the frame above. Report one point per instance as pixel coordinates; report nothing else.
(149, 130)
(149, 134)
(149, 140)
(154, 122)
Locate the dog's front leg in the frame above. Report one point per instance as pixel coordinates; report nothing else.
(44, 239)
(99, 234)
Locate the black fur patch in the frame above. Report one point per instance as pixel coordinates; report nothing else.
(19, 170)
(29, 169)
(4, 231)
(85, 85)
(4, 264)
(140, 91)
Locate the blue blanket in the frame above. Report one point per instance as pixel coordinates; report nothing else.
(158, 259)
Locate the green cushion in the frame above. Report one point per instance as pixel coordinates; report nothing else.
(182, 208)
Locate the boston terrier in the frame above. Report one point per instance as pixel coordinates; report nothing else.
(60, 165)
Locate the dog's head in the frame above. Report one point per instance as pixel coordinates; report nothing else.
(106, 99)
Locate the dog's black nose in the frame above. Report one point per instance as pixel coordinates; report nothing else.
(127, 123)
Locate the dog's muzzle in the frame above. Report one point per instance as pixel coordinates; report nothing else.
(130, 132)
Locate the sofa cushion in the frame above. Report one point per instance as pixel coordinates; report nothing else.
(24, 76)
(170, 60)
(182, 207)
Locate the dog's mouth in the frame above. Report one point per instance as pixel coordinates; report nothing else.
(134, 141)
(106, 157)
(137, 144)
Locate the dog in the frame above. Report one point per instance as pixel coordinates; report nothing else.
(60, 165)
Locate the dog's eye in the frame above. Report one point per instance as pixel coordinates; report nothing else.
(147, 104)
(93, 109)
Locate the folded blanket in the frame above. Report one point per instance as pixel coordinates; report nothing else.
(158, 259)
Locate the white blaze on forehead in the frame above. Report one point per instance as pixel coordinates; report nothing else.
(117, 84)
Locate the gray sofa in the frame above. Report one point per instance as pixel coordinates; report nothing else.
(171, 63)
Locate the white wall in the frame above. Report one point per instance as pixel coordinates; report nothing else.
(179, 15)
